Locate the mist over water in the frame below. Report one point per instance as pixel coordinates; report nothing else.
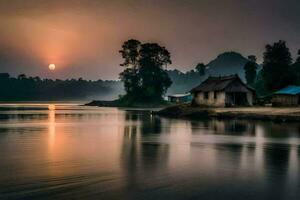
(72, 152)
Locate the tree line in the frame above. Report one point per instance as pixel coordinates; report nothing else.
(278, 69)
(23, 88)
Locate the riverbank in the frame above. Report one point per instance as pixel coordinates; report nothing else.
(252, 113)
(118, 103)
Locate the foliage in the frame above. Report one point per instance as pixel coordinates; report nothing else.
(25, 88)
(144, 78)
(200, 68)
(298, 58)
(260, 86)
(277, 71)
(296, 69)
(250, 70)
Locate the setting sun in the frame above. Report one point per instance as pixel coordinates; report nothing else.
(52, 67)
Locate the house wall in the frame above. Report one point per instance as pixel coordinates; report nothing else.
(220, 101)
(211, 101)
(285, 100)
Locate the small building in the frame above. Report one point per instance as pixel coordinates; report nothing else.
(223, 91)
(180, 98)
(289, 96)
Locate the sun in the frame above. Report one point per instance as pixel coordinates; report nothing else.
(52, 67)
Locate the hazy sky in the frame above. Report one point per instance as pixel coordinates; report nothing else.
(82, 37)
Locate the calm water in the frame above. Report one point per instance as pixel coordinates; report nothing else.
(73, 152)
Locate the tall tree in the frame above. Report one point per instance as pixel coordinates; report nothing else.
(155, 80)
(277, 71)
(296, 68)
(144, 77)
(298, 58)
(130, 54)
(200, 68)
(250, 70)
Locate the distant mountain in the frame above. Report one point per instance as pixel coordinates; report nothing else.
(226, 64)
(183, 82)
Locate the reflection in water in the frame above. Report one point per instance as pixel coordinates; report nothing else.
(72, 152)
(51, 128)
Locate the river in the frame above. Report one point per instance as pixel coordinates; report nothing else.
(66, 151)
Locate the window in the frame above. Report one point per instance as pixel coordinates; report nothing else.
(215, 95)
(206, 95)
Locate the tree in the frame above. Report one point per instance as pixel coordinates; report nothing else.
(4, 76)
(250, 70)
(296, 68)
(154, 79)
(144, 77)
(22, 77)
(277, 71)
(130, 54)
(200, 68)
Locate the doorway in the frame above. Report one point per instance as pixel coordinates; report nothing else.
(236, 99)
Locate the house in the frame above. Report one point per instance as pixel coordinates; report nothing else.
(289, 96)
(223, 91)
(180, 98)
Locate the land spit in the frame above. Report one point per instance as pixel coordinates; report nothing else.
(117, 103)
(290, 114)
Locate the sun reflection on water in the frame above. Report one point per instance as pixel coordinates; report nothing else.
(51, 125)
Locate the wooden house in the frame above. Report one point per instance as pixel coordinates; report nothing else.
(223, 91)
(289, 96)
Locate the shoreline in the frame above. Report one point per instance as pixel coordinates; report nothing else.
(118, 104)
(185, 111)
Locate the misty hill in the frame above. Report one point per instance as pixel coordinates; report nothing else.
(183, 82)
(227, 63)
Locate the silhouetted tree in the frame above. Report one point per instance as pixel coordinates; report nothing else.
(200, 68)
(4, 76)
(154, 79)
(298, 58)
(250, 70)
(144, 77)
(130, 54)
(277, 71)
(296, 68)
(22, 77)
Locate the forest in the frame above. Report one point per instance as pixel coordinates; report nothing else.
(23, 88)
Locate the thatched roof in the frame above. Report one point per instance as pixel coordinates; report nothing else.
(219, 83)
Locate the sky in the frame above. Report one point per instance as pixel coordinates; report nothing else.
(83, 37)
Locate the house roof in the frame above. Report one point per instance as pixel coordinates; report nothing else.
(289, 90)
(218, 83)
